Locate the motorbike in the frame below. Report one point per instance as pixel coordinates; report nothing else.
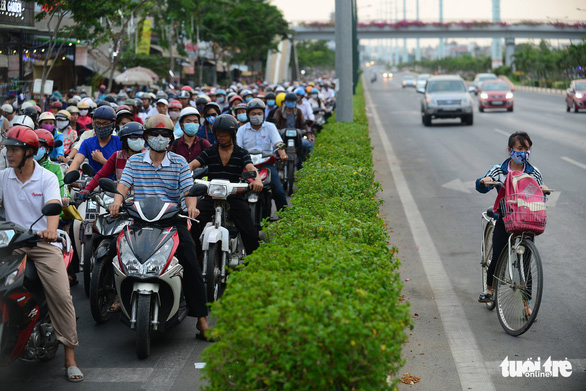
(260, 203)
(147, 274)
(26, 331)
(320, 120)
(292, 139)
(221, 242)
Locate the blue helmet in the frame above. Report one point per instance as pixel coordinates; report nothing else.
(131, 128)
(105, 112)
(221, 92)
(300, 91)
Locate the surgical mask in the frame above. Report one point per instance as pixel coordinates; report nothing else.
(270, 102)
(62, 124)
(104, 132)
(256, 120)
(48, 127)
(211, 119)
(520, 157)
(220, 99)
(248, 99)
(159, 143)
(174, 114)
(314, 96)
(40, 154)
(290, 104)
(242, 117)
(178, 132)
(83, 113)
(191, 128)
(136, 145)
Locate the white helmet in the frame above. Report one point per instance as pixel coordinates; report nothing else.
(25, 105)
(23, 120)
(188, 111)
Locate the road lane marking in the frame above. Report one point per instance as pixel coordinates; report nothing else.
(116, 375)
(459, 185)
(575, 163)
(199, 365)
(502, 132)
(467, 357)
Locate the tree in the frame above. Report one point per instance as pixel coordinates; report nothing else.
(311, 54)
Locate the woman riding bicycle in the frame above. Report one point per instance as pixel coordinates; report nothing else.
(519, 150)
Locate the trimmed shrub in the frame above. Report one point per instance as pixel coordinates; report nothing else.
(318, 307)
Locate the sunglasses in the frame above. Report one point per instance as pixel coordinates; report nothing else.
(157, 133)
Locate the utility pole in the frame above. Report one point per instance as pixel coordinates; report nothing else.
(418, 49)
(440, 53)
(344, 60)
(405, 57)
(497, 43)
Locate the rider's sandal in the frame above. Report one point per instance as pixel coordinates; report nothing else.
(74, 374)
(485, 297)
(527, 309)
(115, 307)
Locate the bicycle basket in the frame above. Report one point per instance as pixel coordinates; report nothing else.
(522, 213)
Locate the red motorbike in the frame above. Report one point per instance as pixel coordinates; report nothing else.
(260, 203)
(26, 331)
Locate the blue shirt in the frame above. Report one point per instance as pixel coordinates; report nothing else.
(91, 144)
(58, 151)
(205, 132)
(167, 182)
(264, 139)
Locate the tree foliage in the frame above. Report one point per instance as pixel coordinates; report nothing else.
(462, 65)
(315, 54)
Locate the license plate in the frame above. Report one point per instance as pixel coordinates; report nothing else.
(290, 143)
(449, 109)
(497, 102)
(88, 229)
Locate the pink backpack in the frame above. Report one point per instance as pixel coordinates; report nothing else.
(522, 204)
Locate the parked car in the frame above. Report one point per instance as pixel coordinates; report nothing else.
(495, 94)
(421, 80)
(446, 97)
(408, 81)
(481, 77)
(576, 95)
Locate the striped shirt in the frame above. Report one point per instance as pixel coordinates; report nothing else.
(217, 170)
(499, 172)
(168, 182)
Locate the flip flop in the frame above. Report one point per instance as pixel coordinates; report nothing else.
(74, 374)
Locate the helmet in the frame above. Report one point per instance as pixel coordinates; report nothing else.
(175, 104)
(202, 101)
(221, 92)
(102, 87)
(270, 95)
(7, 108)
(255, 104)
(130, 102)
(31, 112)
(241, 106)
(300, 91)
(57, 105)
(308, 89)
(314, 91)
(212, 105)
(161, 95)
(122, 96)
(72, 102)
(46, 137)
(83, 105)
(103, 103)
(105, 112)
(244, 93)
(159, 121)
(186, 88)
(280, 98)
(123, 110)
(131, 128)
(291, 97)
(232, 99)
(46, 115)
(72, 109)
(312, 84)
(188, 111)
(21, 136)
(184, 94)
(227, 123)
(279, 89)
(110, 99)
(24, 121)
(63, 114)
(25, 105)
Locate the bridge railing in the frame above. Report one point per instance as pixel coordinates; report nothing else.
(402, 24)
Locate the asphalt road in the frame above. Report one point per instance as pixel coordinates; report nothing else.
(439, 165)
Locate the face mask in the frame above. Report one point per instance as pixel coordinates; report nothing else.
(104, 132)
(270, 102)
(520, 157)
(191, 129)
(83, 113)
(211, 119)
(248, 99)
(159, 143)
(136, 145)
(242, 117)
(290, 104)
(48, 127)
(40, 154)
(314, 97)
(174, 114)
(220, 99)
(62, 124)
(178, 132)
(256, 120)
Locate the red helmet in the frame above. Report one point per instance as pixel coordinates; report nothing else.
(21, 136)
(232, 99)
(186, 88)
(175, 104)
(47, 137)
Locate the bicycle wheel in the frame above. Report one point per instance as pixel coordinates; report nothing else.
(518, 290)
(487, 258)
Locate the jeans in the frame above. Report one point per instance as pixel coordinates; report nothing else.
(306, 149)
(278, 192)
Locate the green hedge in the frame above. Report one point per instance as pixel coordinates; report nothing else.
(318, 307)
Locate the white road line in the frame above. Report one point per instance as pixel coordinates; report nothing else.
(575, 163)
(116, 375)
(502, 132)
(467, 356)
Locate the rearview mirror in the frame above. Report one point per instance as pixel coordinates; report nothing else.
(107, 184)
(52, 209)
(471, 89)
(71, 177)
(197, 190)
(421, 90)
(88, 170)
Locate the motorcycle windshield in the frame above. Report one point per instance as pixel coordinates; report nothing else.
(144, 241)
(153, 209)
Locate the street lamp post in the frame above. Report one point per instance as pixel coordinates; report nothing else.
(344, 60)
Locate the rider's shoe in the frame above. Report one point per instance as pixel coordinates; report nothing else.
(485, 297)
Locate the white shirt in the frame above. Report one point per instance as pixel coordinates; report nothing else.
(328, 94)
(264, 139)
(144, 114)
(306, 109)
(23, 202)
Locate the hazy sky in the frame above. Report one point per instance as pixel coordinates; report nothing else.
(299, 10)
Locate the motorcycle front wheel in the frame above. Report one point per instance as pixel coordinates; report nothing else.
(102, 291)
(291, 176)
(214, 286)
(86, 250)
(143, 326)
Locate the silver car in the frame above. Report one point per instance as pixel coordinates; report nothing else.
(421, 80)
(446, 97)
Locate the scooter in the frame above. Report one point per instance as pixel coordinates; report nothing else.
(260, 203)
(221, 242)
(292, 139)
(147, 274)
(26, 331)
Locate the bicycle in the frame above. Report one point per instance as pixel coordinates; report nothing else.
(518, 285)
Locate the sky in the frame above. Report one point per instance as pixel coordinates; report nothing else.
(512, 10)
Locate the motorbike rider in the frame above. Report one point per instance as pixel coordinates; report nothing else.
(84, 118)
(99, 148)
(264, 136)
(63, 120)
(46, 145)
(315, 101)
(235, 100)
(221, 99)
(189, 145)
(184, 97)
(241, 114)
(289, 116)
(73, 122)
(146, 110)
(210, 113)
(47, 122)
(271, 103)
(165, 175)
(227, 160)
(162, 106)
(8, 114)
(304, 105)
(26, 187)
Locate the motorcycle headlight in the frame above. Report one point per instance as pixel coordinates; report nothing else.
(219, 191)
(6, 237)
(484, 95)
(579, 95)
(291, 133)
(127, 258)
(509, 95)
(155, 264)
(11, 278)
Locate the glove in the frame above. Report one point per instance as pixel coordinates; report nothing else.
(82, 195)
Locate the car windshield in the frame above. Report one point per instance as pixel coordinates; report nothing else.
(581, 86)
(446, 86)
(486, 77)
(422, 77)
(495, 87)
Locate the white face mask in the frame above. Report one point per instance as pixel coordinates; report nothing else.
(174, 114)
(136, 145)
(83, 113)
(62, 124)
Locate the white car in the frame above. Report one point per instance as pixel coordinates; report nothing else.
(421, 80)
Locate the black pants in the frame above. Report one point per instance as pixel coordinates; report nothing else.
(193, 285)
(239, 213)
(500, 238)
